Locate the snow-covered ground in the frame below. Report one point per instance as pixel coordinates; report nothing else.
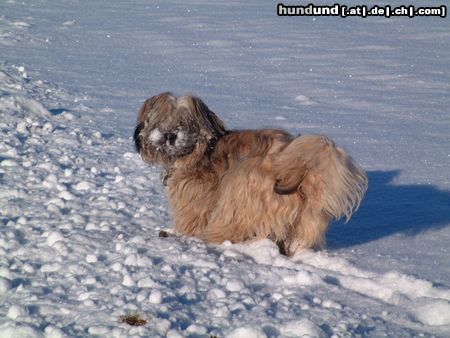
(80, 213)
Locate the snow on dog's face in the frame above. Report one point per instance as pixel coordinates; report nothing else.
(170, 128)
(175, 142)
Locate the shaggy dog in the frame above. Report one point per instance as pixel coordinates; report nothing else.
(240, 185)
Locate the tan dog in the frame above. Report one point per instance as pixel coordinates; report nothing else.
(246, 184)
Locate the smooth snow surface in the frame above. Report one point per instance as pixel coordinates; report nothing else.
(80, 212)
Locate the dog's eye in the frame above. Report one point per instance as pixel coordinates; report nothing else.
(171, 137)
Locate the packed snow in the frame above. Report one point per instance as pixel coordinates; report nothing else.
(80, 212)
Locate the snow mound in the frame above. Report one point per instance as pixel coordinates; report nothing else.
(16, 330)
(302, 328)
(246, 332)
(433, 313)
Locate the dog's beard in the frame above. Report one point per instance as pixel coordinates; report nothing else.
(173, 142)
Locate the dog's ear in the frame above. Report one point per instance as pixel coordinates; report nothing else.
(202, 116)
(216, 125)
(137, 137)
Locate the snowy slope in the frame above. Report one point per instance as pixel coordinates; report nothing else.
(80, 213)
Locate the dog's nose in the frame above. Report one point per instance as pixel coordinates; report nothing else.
(171, 137)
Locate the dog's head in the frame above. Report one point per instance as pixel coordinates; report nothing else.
(170, 128)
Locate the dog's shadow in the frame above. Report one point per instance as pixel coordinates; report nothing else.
(388, 209)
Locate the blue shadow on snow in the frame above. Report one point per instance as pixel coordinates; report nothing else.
(388, 209)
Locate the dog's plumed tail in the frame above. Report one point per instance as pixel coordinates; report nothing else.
(330, 182)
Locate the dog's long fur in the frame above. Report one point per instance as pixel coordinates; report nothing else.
(246, 184)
